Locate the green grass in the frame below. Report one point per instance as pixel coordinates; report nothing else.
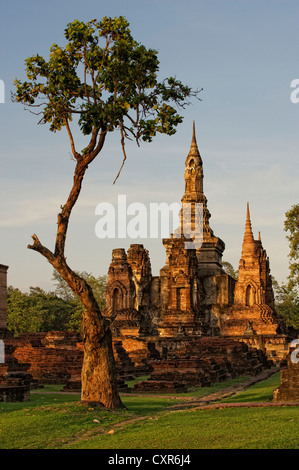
(131, 383)
(200, 392)
(53, 420)
(49, 420)
(37, 400)
(48, 426)
(244, 428)
(262, 391)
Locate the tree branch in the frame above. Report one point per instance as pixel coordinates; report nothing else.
(37, 246)
(75, 153)
(123, 149)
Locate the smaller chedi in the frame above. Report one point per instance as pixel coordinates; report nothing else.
(252, 316)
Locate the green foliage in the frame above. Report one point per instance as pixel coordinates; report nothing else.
(287, 294)
(50, 311)
(107, 79)
(291, 225)
(229, 269)
(62, 290)
(23, 313)
(287, 303)
(36, 311)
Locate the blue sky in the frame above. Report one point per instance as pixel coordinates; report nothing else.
(244, 54)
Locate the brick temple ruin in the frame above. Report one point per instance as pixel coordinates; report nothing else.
(191, 325)
(194, 296)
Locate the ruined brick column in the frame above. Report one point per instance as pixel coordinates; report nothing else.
(3, 295)
(289, 378)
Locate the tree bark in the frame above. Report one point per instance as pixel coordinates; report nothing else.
(99, 384)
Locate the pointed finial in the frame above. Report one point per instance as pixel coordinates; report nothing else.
(248, 213)
(193, 135)
(248, 240)
(248, 221)
(194, 152)
(260, 237)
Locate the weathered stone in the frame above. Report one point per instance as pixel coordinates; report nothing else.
(192, 289)
(289, 378)
(14, 393)
(252, 317)
(3, 295)
(202, 361)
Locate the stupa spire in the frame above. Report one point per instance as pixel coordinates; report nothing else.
(194, 152)
(248, 228)
(248, 240)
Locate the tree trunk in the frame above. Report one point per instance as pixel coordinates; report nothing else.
(98, 372)
(99, 382)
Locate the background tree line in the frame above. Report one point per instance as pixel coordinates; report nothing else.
(287, 293)
(59, 310)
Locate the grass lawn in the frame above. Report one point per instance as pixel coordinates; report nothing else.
(261, 391)
(244, 428)
(51, 420)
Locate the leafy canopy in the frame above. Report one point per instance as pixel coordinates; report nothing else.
(229, 269)
(287, 294)
(108, 80)
(291, 226)
(37, 311)
(47, 311)
(64, 292)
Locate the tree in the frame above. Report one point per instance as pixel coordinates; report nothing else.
(37, 311)
(109, 82)
(229, 269)
(63, 291)
(287, 303)
(287, 294)
(23, 313)
(291, 225)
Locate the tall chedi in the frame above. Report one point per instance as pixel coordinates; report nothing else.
(194, 196)
(194, 287)
(209, 249)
